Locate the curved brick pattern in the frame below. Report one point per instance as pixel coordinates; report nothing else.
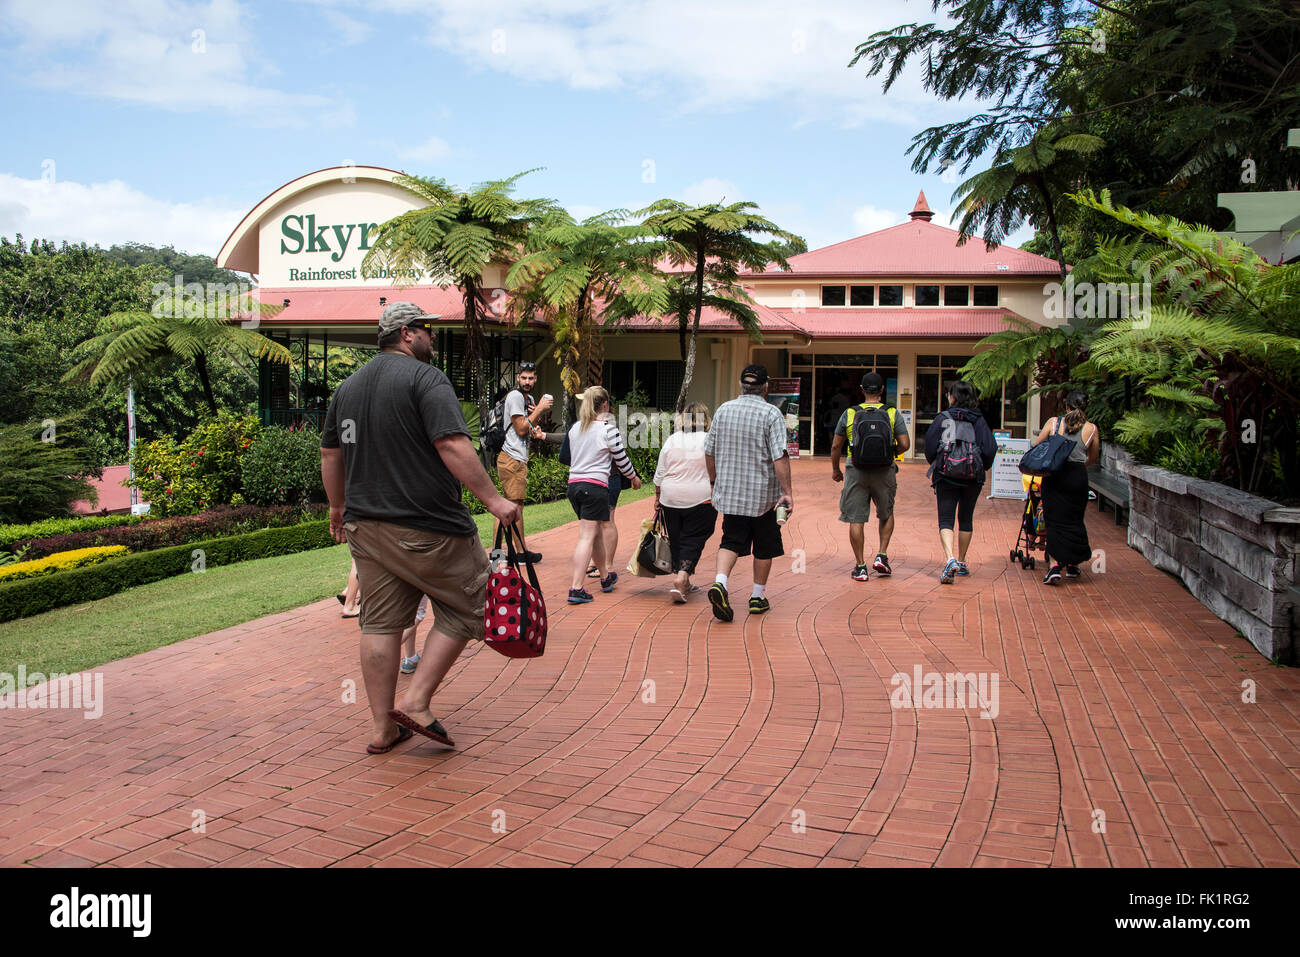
(770, 741)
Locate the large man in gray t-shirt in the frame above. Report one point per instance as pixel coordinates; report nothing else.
(394, 452)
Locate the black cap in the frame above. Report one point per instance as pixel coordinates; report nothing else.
(754, 374)
(872, 383)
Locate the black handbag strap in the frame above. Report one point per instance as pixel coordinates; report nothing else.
(514, 558)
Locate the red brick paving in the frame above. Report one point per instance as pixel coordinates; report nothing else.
(769, 742)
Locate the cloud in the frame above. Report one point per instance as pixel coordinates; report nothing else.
(350, 31)
(721, 55)
(868, 219)
(172, 55)
(111, 212)
(433, 149)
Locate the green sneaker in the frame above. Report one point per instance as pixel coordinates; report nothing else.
(759, 605)
(718, 599)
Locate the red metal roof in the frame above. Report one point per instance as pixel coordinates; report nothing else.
(914, 248)
(353, 305)
(712, 320)
(897, 323)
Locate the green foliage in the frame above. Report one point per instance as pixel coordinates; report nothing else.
(14, 557)
(282, 467)
(584, 278)
(33, 596)
(1220, 350)
(451, 240)
(51, 300)
(1180, 90)
(197, 473)
(548, 480)
(1190, 457)
(716, 242)
(11, 534)
(39, 479)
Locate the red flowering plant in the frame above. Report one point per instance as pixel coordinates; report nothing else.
(202, 471)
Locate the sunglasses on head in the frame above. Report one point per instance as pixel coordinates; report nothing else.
(527, 367)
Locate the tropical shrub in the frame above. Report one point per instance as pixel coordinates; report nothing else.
(40, 478)
(282, 467)
(548, 480)
(1220, 351)
(60, 561)
(179, 530)
(199, 472)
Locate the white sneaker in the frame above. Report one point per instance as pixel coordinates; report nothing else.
(408, 664)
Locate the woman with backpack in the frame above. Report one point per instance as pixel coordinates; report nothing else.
(1065, 491)
(960, 447)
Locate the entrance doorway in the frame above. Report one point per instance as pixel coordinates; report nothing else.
(835, 382)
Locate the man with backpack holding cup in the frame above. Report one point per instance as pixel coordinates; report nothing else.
(873, 436)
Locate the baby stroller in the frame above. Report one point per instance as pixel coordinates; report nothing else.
(1033, 529)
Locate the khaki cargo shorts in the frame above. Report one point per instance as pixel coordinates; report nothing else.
(514, 477)
(864, 486)
(396, 565)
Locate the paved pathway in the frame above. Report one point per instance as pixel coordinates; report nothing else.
(1121, 737)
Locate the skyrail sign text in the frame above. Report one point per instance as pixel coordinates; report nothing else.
(301, 233)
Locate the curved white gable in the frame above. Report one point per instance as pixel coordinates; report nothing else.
(315, 230)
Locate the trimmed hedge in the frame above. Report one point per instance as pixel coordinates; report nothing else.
(60, 561)
(179, 530)
(17, 534)
(33, 596)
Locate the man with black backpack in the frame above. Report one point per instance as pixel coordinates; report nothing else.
(873, 436)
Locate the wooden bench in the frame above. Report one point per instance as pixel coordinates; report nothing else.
(1109, 489)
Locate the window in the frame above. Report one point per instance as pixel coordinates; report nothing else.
(620, 377)
(862, 295)
(986, 295)
(891, 295)
(832, 295)
(927, 295)
(956, 295)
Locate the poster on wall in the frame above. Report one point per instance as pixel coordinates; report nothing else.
(906, 416)
(784, 394)
(1006, 466)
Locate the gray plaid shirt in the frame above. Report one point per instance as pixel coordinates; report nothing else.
(748, 434)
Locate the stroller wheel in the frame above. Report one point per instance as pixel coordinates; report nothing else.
(1013, 555)
(1031, 563)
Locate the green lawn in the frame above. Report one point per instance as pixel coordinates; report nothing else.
(73, 639)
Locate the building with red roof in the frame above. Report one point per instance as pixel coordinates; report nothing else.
(909, 301)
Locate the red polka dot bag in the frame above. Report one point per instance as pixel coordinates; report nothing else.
(514, 619)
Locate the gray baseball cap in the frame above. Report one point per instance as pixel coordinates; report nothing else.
(398, 314)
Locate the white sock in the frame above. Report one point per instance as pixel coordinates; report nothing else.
(721, 579)
(758, 591)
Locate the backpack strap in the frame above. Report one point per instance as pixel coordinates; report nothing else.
(848, 426)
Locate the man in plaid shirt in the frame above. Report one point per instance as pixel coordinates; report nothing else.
(749, 467)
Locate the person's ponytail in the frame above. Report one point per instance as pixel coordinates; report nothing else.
(1076, 414)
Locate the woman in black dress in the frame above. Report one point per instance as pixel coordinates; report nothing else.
(1065, 492)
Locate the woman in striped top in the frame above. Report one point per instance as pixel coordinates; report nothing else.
(595, 447)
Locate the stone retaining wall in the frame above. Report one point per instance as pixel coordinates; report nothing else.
(1237, 553)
